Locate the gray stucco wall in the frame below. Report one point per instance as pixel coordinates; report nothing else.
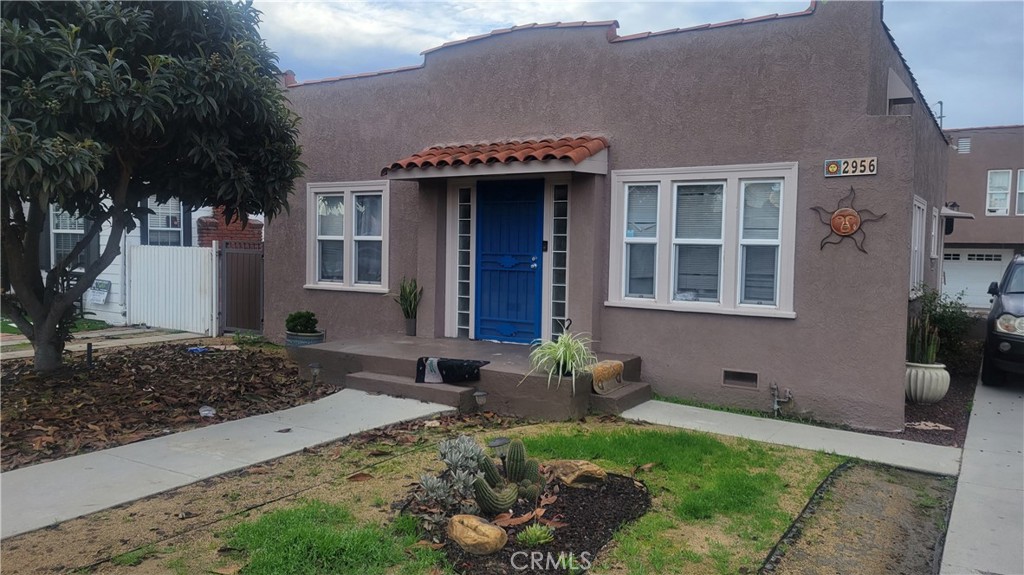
(762, 92)
(997, 148)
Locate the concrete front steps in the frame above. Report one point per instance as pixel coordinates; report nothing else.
(388, 366)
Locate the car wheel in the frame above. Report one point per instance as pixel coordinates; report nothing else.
(990, 374)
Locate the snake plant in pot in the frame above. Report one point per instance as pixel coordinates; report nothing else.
(409, 295)
(927, 381)
(567, 357)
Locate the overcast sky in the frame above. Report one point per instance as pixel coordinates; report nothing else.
(969, 55)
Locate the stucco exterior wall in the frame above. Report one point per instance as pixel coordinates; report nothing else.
(756, 93)
(997, 148)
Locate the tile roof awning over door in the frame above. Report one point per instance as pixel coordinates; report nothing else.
(571, 154)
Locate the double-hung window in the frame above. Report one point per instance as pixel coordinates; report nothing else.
(1020, 193)
(67, 231)
(697, 241)
(164, 225)
(997, 200)
(717, 239)
(641, 239)
(347, 245)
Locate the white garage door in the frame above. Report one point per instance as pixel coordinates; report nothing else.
(971, 271)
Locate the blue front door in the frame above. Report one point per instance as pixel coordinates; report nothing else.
(509, 236)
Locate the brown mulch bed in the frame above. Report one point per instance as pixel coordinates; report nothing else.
(953, 411)
(591, 517)
(138, 393)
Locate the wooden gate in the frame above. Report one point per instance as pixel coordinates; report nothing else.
(241, 285)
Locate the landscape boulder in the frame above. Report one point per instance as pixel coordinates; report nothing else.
(576, 473)
(476, 535)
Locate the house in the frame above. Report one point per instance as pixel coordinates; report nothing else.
(986, 178)
(674, 194)
(170, 225)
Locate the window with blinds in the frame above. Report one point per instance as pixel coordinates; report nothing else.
(164, 224)
(759, 242)
(712, 239)
(330, 237)
(348, 236)
(698, 241)
(641, 239)
(998, 197)
(67, 231)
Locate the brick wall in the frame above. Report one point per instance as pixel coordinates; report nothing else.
(212, 228)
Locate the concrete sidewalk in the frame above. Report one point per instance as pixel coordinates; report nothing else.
(100, 339)
(906, 454)
(986, 530)
(48, 493)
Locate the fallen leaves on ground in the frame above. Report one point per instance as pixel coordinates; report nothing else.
(138, 393)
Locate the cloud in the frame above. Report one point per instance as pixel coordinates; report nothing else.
(318, 39)
(966, 54)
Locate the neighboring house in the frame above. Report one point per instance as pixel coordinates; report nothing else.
(986, 178)
(656, 189)
(170, 224)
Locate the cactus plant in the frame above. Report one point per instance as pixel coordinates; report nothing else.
(532, 471)
(490, 470)
(531, 493)
(491, 501)
(515, 461)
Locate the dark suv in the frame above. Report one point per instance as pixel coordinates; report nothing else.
(1004, 334)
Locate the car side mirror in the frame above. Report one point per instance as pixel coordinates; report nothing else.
(993, 288)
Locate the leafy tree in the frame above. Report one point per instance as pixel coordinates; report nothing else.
(107, 104)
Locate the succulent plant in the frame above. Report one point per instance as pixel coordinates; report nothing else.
(494, 501)
(535, 535)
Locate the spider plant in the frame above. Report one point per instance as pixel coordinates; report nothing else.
(568, 356)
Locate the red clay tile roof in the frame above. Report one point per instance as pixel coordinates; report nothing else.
(575, 148)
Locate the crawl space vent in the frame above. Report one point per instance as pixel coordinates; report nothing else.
(742, 379)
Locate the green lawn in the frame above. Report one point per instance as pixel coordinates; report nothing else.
(718, 506)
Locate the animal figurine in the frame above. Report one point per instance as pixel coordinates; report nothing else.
(607, 376)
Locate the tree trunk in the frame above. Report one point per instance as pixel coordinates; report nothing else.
(48, 350)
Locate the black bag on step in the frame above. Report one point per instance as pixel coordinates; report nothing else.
(444, 370)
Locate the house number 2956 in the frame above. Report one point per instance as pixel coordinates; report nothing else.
(851, 167)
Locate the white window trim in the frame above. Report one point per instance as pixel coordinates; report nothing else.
(989, 193)
(935, 252)
(917, 241)
(730, 273)
(1020, 194)
(350, 190)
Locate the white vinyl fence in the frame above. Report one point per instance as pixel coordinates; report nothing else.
(173, 288)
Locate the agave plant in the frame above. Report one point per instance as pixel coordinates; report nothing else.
(568, 356)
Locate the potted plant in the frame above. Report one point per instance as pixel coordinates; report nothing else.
(300, 329)
(568, 356)
(927, 381)
(409, 295)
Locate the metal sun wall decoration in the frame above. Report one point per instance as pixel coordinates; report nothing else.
(846, 221)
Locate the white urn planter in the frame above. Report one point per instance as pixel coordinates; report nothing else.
(926, 382)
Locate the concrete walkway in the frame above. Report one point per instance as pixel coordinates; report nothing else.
(48, 493)
(906, 454)
(100, 339)
(986, 530)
